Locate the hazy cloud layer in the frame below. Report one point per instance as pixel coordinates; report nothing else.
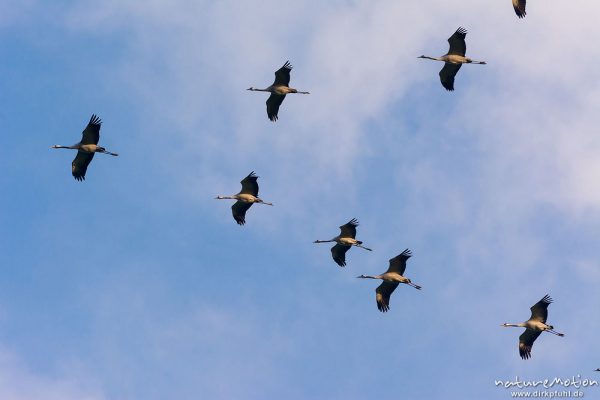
(493, 187)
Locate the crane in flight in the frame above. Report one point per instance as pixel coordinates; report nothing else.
(391, 279)
(86, 148)
(534, 326)
(345, 240)
(278, 90)
(245, 198)
(454, 59)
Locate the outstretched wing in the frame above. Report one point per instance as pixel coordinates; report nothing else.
(238, 210)
(338, 252)
(91, 133)
(526, 342)
(349, 229)
(273, 103)
(398, 263)
(447, 75)
(519, 6)
(80, 164)
(383, 293)
(250, 185)
(457, 42)
(282, 75)
(539, 311)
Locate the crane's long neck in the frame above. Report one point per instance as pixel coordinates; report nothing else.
(324, 241)
(226, 197)
(258, 90)
(370, 277)
(58, 146)
(433, 58)
(520, 325)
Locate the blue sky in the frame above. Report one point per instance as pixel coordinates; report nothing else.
(137, 284)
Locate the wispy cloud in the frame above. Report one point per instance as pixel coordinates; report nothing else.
(484, 184)
(18, 382)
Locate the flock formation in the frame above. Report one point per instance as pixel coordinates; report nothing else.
(248, 195)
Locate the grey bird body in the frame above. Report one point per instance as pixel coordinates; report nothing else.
(344, 241)
(86, 148)
(454, 59)
(279, 89)
(245, 198)
(534, 326)
(391, 279)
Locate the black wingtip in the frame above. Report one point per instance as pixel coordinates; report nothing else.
(448, 87)
(354, 222)
(94, 120)
(520, 13)
(461, 30)
(525, 354)
(287, 65)
(341, 263)
(547, 299)
(240, 221)
(406, 253)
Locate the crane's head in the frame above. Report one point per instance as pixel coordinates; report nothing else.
(422, 56)
(504, 324)
(250, 88)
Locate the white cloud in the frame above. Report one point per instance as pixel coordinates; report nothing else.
(527, 119)
(465, 174)
(18, 382)
(190, 62)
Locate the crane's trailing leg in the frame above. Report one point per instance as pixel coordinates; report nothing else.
(362, 247)
(391, 279)
(261, 201)
(104, 151)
